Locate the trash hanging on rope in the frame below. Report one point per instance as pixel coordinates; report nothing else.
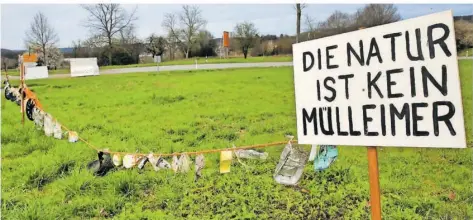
(288, 170)
(291, 165)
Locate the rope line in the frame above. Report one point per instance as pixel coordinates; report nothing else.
(81, 139)
(91, 146)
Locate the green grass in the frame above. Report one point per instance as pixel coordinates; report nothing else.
(45, 178)
(463, 53)
(200, 60)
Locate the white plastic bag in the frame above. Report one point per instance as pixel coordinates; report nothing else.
(163, 164)
(291, 165)
(48, 125)
(129, 161)
(57, 130)
(175, 163)
(184, 163)
(117, 160)
(251, 154)
(199, 165)
(38, 118)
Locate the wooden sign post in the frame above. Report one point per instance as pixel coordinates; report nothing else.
(375, 195)
(391, 85)
(22, 88)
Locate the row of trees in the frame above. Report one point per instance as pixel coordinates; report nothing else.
(339, 22)
(114, 39)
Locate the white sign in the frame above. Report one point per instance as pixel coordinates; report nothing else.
(36, 72)
(84, 67)
(391, 85)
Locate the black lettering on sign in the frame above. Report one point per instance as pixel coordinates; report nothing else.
(309, 119)
(350, 123)
(346, 77)
(419, 56)
(304, 61)
(330, 56)
(367, 119)
(318, 90)
(372, 83)
(372, 53)
(404, 114)
(413, 82)
(393, 43)
(359, 56)
(445, 118)
(319, 58)
(334, 93)
(391, 83)
(426, 75)
(328, 131)
(416, 118)
(339, 131)
(440, 41)
(383, 120)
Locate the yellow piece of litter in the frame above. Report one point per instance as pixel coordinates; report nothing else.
(225, 161)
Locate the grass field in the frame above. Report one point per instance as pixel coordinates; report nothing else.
(200, 60)
(45, 178)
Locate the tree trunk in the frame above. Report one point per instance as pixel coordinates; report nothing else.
(109, 51)
(245, 52)
(110, 56)
(45, 55)
(187, 53)
(299, 13)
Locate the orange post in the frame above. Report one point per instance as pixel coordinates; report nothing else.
(4, 100)
(22, 81)
(226, 39)
(375, 198)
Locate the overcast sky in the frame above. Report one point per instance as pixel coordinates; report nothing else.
(269, 18)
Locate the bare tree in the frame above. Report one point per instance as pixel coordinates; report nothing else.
(299, 8)
(193, 21)
(337, 20)
(174, 33)
(185, 27)
(130, 42)
(376, 14)
(127, 35)
(246, 34)
(107, 20)
(41, 35)
(311, 26)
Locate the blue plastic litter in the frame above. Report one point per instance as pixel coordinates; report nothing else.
(326, 156)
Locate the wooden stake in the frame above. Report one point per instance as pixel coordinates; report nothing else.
(4, 100)
(375, 198)
(22, 73)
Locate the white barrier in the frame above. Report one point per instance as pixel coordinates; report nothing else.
(84, 67)
(36, 72)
